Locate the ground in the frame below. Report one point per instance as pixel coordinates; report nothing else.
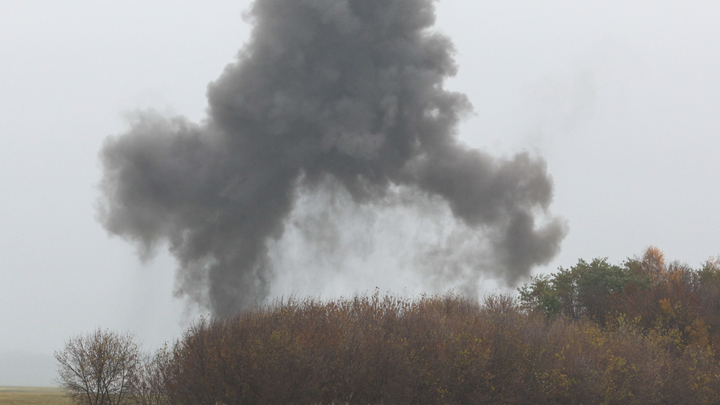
(32, 396)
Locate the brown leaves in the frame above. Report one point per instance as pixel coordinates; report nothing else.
(372, 350)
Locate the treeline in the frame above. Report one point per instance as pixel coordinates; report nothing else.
(638, 333)
(672, 299)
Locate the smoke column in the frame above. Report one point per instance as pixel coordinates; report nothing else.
(349, 91)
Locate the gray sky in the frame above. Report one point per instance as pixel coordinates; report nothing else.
(620, 98)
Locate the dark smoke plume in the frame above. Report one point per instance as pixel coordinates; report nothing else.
(346, 90)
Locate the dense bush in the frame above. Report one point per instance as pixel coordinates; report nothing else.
(585, 341)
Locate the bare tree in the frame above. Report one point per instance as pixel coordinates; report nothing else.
(99, 368)
(149, 386)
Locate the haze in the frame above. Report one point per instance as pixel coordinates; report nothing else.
(620, 99)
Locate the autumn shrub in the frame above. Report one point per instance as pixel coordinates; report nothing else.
(430, 350)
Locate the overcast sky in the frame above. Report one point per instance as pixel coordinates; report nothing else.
(621, 98)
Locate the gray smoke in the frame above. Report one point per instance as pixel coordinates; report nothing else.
(347, 90)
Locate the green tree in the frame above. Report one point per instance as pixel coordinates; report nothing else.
(584, 290)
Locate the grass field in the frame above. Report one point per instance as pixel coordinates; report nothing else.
(32, 396)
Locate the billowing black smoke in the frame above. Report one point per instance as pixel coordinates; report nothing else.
(349, 91)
